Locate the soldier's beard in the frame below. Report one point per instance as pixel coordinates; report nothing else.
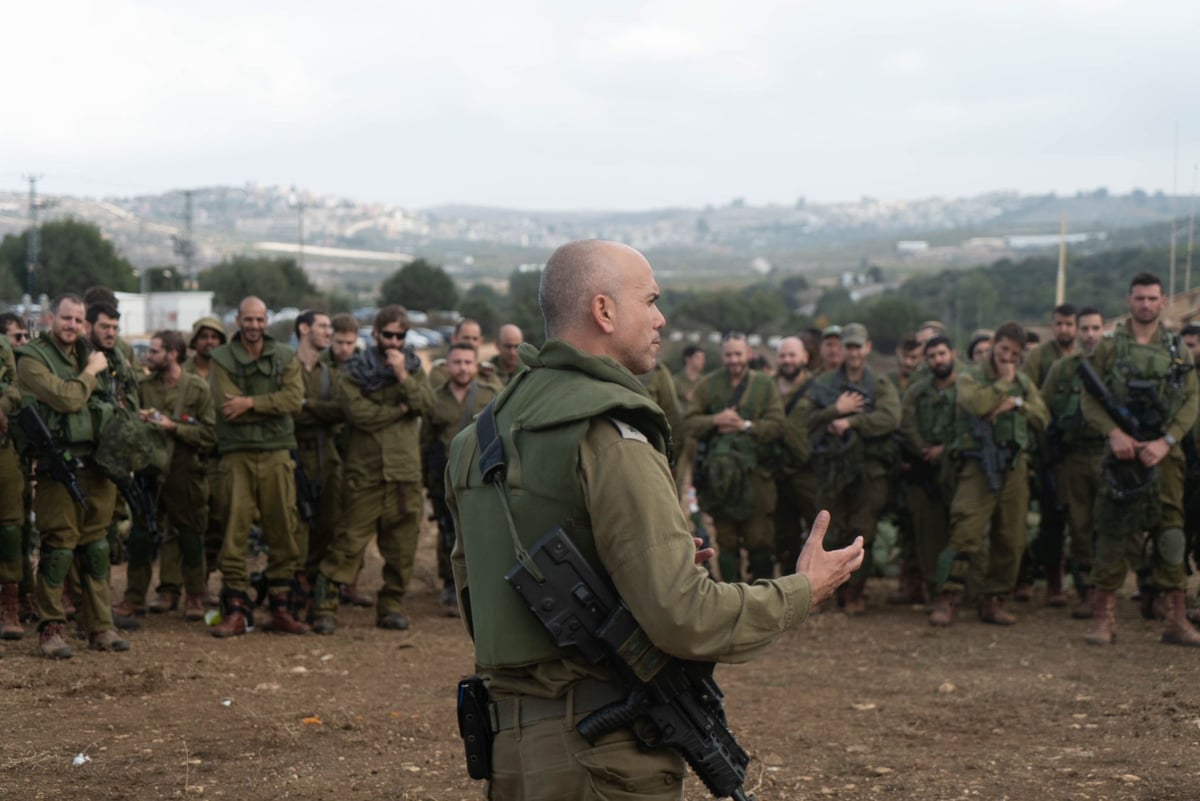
(943, 371)
(790, 373)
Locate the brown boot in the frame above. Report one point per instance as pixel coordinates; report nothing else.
(1087, 605)
(53, 642)
(1104, 622)
(1179, 631)
(108, 640)
(1055, 595)
(164, 602)
(855, 600)
(193, 606)
(236, 619)
(909, 591)
(349, 594)
(992, 611)
(10, 613)
(127, 609)
(943, 608)
(282, 621)
(1023, 594)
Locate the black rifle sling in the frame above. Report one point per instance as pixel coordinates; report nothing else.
(491, 467)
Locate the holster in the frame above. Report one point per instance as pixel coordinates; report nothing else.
(475, 726)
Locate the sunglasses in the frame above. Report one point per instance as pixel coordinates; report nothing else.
(19, 336)
(392, 334)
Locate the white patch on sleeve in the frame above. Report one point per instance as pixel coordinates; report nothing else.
(628, 431)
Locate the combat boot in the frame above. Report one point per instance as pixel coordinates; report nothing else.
(1151, 604)
(107, 640)
(10, 613)
(992, 611)
(236, 617)
(1104, 620)
(1179, 630)
(943, 608)
(127, 609)
(1087, 605)
(909, 591)
(282, 620)
(52, 642)
(351, 595)
(164, 602)
(1055, 595)
(193, 606)
(855, 602)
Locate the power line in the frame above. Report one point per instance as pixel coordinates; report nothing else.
(34, 247)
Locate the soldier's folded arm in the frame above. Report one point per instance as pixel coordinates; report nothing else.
(770, 425)
(644, 542)
(1037, 414)
(884, 418)
(418, 395)
(698, 423)
(202, 432)
(818, 417)
(978, 400)
(366, 414)
(61, 395)
(289, 398)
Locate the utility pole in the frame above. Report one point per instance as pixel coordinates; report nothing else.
(1187, 281)
(34, 249)
(1060, 287)
(185, 246)
(1174, 194)
(299, 203)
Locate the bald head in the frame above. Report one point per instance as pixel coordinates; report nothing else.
(790, 357)
(575, 274)
(601, 297)
(508, 342)
(251, 303)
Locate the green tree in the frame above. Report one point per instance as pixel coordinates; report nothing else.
(890, 319)
(279, 282)
(74, 256)
(486, 306)
(523, 308)
(420, 285)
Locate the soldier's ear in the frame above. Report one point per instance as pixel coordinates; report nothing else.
(604, 313)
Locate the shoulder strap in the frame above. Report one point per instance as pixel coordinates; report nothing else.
(492, 467)
(466, 415)
(325, 380)
(739, 391)
(796, 398)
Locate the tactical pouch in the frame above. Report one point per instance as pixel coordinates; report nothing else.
(475, 727)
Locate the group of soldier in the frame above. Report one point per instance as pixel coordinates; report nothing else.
(1097, 430)
(318, 448)
(324, 446)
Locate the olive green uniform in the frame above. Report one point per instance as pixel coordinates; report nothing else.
(854, 508)
(499, 374)
(589, 454)
(752, 528)
(685, 445)
(183, 490)
(1168, 368)
(1078, 468)
(439, 375)
(661, 388)
(382, 489)
(975, 505)
(928, 420)
(73, 409)
(449, 416)
(12, 478)
(218, 502)
(317, 428)
(256, 470)
(795, 483)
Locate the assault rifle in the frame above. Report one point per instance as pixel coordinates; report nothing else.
(1121, 415)
(672, 703)
(58, 462)
(308, 491)
(994, 460)
(138, 492)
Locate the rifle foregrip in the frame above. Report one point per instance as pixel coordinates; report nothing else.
(616, 715)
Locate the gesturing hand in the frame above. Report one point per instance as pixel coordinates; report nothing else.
(827, 570)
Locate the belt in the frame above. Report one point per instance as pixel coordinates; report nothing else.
(523, 710)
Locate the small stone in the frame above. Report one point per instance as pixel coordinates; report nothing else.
(947, 687)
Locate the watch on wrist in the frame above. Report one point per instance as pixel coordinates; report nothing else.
(1019, 402)
(746, 426)
(1170, 440)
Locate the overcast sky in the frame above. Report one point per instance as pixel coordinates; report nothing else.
(616, 105)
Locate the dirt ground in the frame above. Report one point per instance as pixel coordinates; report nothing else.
(882, 707)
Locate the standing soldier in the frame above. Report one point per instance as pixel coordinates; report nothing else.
(12, 500)
(1047, 550)
(318, 460)
(928, 426)
(207, 335)
(832, 351)
(342, 349)
(1151, 390)
(999, 413)
(795, 482)
(455, 405)
(14, 328)
(736, 416)
(661, 388)
(852, 413)
(59, 372)
(1076, 449)
(384, 395)
(909, 361)
(257, 386)
(507, 362)
(180, 405)
(685, 446)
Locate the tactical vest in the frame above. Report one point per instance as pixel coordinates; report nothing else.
(261, 376)
(752, 405)
(1010, 428)
(541, 418)
(1066, 412)
(876, 449)
(935, 412)
(74, 430)
(1160, 364)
